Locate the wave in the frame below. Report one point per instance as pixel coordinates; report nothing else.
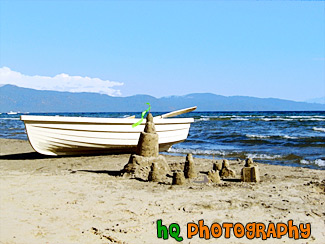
(231, 154)
(202, 119)
(319, 129)
(239, 119)
(319, 162)
(216, 116)
(197, 151)
(277, 119)
(257, 136)
(289, 137)
(262, 118)
(10, 118)
(315, 119)
(306, 117)
(293, 119)
(262, 156)
(273, 136)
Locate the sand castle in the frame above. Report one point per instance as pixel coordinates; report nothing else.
(217, 166)
(178, 178)
(226, 172)
(147, 164)
(155, 174)
(213, 176)
(250, 172)
(189, 168)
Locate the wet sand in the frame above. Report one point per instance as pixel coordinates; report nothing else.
(84, 200)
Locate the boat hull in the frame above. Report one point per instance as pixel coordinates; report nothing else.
(54, 135)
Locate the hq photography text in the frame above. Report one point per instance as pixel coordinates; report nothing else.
(250, 230)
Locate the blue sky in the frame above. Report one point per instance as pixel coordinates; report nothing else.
(162, 48)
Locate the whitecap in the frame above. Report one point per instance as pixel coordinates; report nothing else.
(202, 119)
(227, 116)
(196, 151)
(319, 162)
(257, 136)
(239, 119)
(319, 129)
(262, 156)
(267, 119)
(289, 137)
(277, 119)
(314, 119)
(11, 118)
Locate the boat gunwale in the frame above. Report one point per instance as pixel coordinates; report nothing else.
(97, 120)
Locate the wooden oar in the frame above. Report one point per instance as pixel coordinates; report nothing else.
(177, 112)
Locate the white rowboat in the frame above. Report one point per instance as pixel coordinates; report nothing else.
(55, 135)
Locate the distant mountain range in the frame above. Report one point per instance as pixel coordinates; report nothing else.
(13, 98)
(320, 100)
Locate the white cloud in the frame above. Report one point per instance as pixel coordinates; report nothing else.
(61, 82)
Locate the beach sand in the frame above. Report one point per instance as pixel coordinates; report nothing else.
(83, 200)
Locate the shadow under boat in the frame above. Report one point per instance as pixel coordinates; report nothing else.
(36, 155)
(108, 172)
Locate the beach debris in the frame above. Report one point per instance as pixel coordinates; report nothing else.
(250, 172)
(213, 176)
(178, 178)
(103, 235)
(147, 154)
(226, 172)
(189, 168)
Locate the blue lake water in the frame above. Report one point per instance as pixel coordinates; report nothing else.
(284, 138)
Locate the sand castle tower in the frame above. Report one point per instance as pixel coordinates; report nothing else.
(155, 174)
(213, 176)
(147, 158)
(226, 172)
(189, 168)
(250, 172)
(217, 166)
(178, 178)
(148, 142)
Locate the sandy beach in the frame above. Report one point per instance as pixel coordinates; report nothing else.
(84, 200)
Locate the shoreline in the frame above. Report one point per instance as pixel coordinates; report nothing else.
(209, 157)
(82, 200)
